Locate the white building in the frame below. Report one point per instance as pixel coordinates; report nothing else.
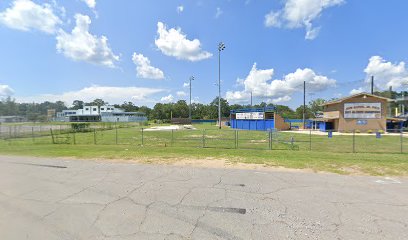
(100, 114)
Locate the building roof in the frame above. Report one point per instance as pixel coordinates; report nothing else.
(396, 119)
(353, 96)
(124, 113)
(247, 110)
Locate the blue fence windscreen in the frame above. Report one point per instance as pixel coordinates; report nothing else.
(260, 125)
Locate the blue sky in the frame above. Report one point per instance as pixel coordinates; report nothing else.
(145, 51)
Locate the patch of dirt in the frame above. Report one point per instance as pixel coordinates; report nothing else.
(215, 163)
(353, 170)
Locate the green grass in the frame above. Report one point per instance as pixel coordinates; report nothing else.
(373, 156)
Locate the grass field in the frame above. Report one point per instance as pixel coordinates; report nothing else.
(291, 150)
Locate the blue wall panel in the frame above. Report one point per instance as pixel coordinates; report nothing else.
(260, 125)
(322, 126)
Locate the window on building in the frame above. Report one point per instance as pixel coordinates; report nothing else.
(86, 108)
(102, 109)
(94, 109)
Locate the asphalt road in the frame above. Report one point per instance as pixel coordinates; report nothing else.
(76, 199)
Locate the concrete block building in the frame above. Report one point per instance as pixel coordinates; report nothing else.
(363, 112)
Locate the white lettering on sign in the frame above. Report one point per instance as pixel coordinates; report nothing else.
(250, 115)
(362, 110)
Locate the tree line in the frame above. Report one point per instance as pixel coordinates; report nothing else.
(161, 111)
(164, 111)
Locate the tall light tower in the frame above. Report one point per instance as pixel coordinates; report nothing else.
(189, 109)
(304, 105)
(221, 47)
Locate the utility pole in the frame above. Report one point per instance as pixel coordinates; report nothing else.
(372, 84)
(221, 47)
(189, 109)
(304, 104)
(251, 98)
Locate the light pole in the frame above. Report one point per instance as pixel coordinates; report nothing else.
(304, 105)
(189, 110)
(221, 47)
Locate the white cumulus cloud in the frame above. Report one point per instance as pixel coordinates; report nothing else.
(280, 99)
(90, 3)
(167, 99)
(173, 42)
(26, 15)
(300, 14)
(180, 9)
(109, 94)
(6, 90)
(261, 84)
(356, 91)
(386, 74)
(80, 45)
(181, 94)
(218, 12)
(144, 69)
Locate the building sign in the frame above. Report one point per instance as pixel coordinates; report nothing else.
(250, 115)
(362, 110)
(362, 122)
(331, 115)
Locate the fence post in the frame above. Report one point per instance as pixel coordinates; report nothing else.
(292, 141)
(52, 136)
(401, 139)
(142, 137)
(354, 141)
(236, 138)
(74, 137)
(310, 140)
(269, 139)
(95, 136)
(116, 133)
(32, 134)
(172, 137)
(204, 138)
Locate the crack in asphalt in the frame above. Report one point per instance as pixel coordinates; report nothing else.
(39, 165)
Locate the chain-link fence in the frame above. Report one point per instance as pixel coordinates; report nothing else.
(352, 142)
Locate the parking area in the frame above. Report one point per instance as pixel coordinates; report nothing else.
(95, 199)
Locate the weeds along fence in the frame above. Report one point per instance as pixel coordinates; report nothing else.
(42, 133)
(354, 142)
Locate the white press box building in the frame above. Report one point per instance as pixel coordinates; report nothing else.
(100, 114)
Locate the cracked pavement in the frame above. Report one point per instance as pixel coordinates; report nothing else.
(49, 199)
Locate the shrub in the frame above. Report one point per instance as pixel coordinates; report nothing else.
(80, 127)
(370, 131)
(357, 131)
